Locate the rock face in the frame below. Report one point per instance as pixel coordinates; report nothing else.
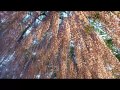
(54, 46)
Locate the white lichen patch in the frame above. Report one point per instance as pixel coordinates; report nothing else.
(72, 43)
(118, 74)
(34, 53)
(26, 18)
(35, 41)
(65, 14)
(1, 65)
(109, 67)
(49, 74)
(37, 76)
(27, 32)
(37, 21)
(9, 58)
(6, 69)
(3, 20)
(21, 75)
(49, 35)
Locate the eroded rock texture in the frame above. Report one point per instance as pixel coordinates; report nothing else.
(48, 45)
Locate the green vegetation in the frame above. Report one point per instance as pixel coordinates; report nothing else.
(107, 39)
(109, 43)
(71, 52)
(118, 56)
